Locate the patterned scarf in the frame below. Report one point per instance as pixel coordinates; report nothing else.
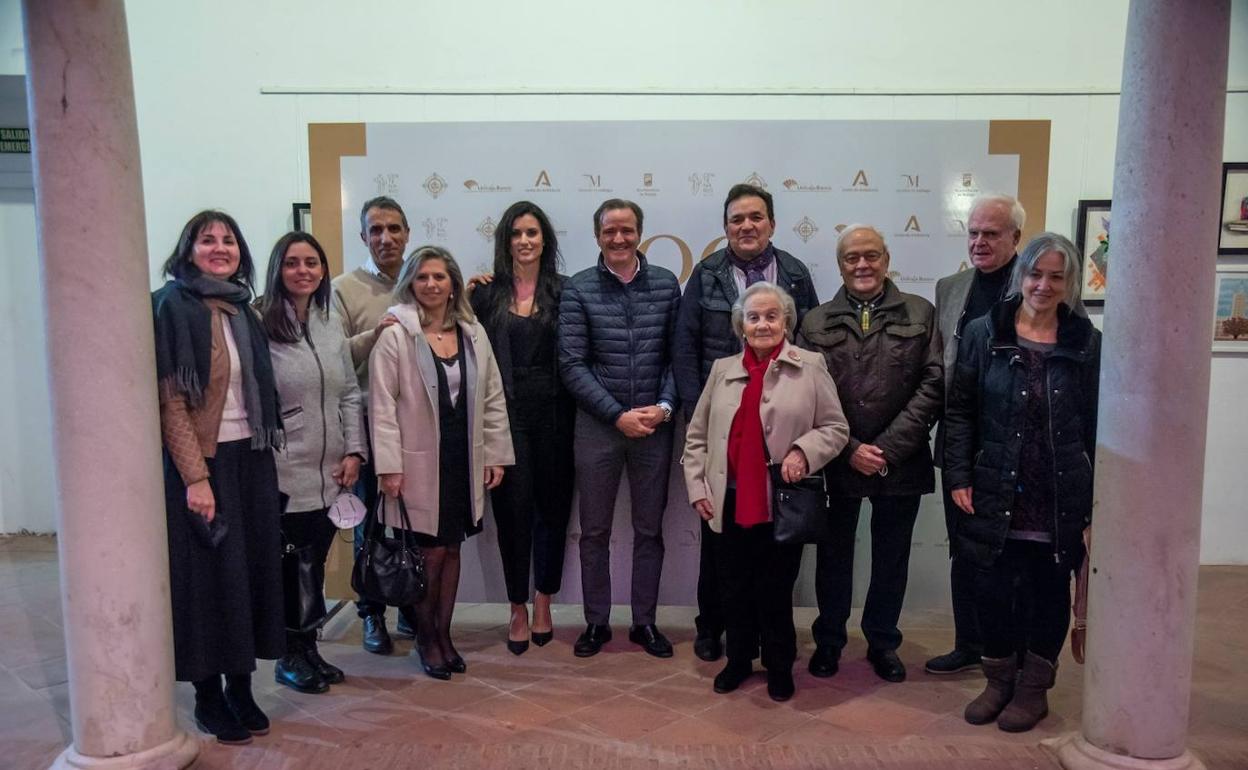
(755, 268)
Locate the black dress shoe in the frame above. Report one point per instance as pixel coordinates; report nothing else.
(591, 640)
(517, 648)
(542, 638)
(887, 665)
(825, 662)
(296, 672)
(439, 671)
(245, 710)
(215, 717)
(376, 638)
(780, 685)
(328, 671)
(708, 647)
(732, 676)
(960, 659)
(651, 640)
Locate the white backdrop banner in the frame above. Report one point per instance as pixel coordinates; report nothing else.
(913, 180)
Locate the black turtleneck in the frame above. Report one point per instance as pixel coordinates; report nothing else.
(986, 290)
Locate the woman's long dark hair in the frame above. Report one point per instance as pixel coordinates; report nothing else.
(179, 264)
(272, 305)
(498, 293)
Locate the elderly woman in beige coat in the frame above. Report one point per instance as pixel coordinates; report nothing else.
(440, 434)
(775, 402)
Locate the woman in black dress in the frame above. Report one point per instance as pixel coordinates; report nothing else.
(520, 312)
(219, 423)
(440, 434)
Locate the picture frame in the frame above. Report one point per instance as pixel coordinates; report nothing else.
(1230, 310)
(1092, 240)
(301, 216)
(1233, 215)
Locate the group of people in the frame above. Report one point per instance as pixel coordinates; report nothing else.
(439, 398)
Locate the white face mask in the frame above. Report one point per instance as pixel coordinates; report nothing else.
(347, 511)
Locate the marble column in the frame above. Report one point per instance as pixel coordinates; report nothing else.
(1154, 389)
(114, 560)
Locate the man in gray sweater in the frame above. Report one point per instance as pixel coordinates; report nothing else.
(361, 298)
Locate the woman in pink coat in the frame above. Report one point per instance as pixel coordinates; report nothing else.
(440, 434)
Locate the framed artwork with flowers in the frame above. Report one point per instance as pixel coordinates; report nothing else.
(1092, 240)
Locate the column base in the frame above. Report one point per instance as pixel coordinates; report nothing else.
(1076, 753)
(179, 752)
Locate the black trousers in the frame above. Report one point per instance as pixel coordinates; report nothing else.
(892, 525)
(757, 575)
(962, 584)
(710, 619)
(532, 507)
(307, 529)
(1024, 598)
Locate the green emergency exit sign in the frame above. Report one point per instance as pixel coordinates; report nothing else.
(15, 140)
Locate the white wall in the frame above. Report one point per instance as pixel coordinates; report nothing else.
(210, 137)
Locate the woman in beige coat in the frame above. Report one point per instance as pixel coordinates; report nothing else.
(772, 401)
(440, 434)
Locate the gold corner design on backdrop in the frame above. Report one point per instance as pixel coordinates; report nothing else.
(328, 143)
(1029, 140)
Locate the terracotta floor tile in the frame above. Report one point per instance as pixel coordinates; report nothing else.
(754, 716)
(566, 693)
(692, 731)
(683, 693)
(625, 717)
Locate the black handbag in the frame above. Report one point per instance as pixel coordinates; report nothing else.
(799, 510)
(390, 570)
(303, 581)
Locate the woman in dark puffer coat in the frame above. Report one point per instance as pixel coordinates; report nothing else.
(1021, 434)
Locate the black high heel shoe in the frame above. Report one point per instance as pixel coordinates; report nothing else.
(440, 671)
(456, 664)
(517, 648)
(542, 638)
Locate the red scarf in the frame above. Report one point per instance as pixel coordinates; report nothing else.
(747, 457)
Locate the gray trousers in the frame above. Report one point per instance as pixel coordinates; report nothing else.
(602, 453)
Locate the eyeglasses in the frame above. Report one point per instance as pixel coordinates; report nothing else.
(870, 257)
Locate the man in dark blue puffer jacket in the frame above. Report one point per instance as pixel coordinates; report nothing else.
(616, 322)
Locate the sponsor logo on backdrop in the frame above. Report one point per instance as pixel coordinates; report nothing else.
(593, 184)
(700, 184)
(912, 229)
(542, 183)
(860, 183)
(840, 228)
(955, 227)
(910, 183)
(965, 186)
(647, 189)
(473, 185)
(486, 229)
(805, 229)
(756, 180)
(792, 185)
(435, 228)
(435, 185)
(387, 184)
(899, 278)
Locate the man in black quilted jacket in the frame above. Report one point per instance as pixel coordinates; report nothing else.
(616, 321)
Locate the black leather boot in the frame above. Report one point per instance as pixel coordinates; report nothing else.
(295, 670)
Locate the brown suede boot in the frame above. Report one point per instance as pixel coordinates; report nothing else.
(1031, 702)
(1001, 673)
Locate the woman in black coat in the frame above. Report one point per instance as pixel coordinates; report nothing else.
(520, 311)
(1021, 435)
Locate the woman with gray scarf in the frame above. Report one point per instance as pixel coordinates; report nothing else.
(219, 424)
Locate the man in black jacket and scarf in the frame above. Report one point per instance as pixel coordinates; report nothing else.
(704, 334)
(883, 351)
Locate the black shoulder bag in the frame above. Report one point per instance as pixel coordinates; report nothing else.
(390, 570)
(799, 510)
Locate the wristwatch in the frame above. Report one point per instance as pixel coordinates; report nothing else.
(667, 411)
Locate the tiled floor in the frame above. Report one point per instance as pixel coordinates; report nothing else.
(549, 709)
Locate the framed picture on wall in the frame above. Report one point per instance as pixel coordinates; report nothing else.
(1230, 317)
(1092, 240)
(1233, 223)
(301, 216)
